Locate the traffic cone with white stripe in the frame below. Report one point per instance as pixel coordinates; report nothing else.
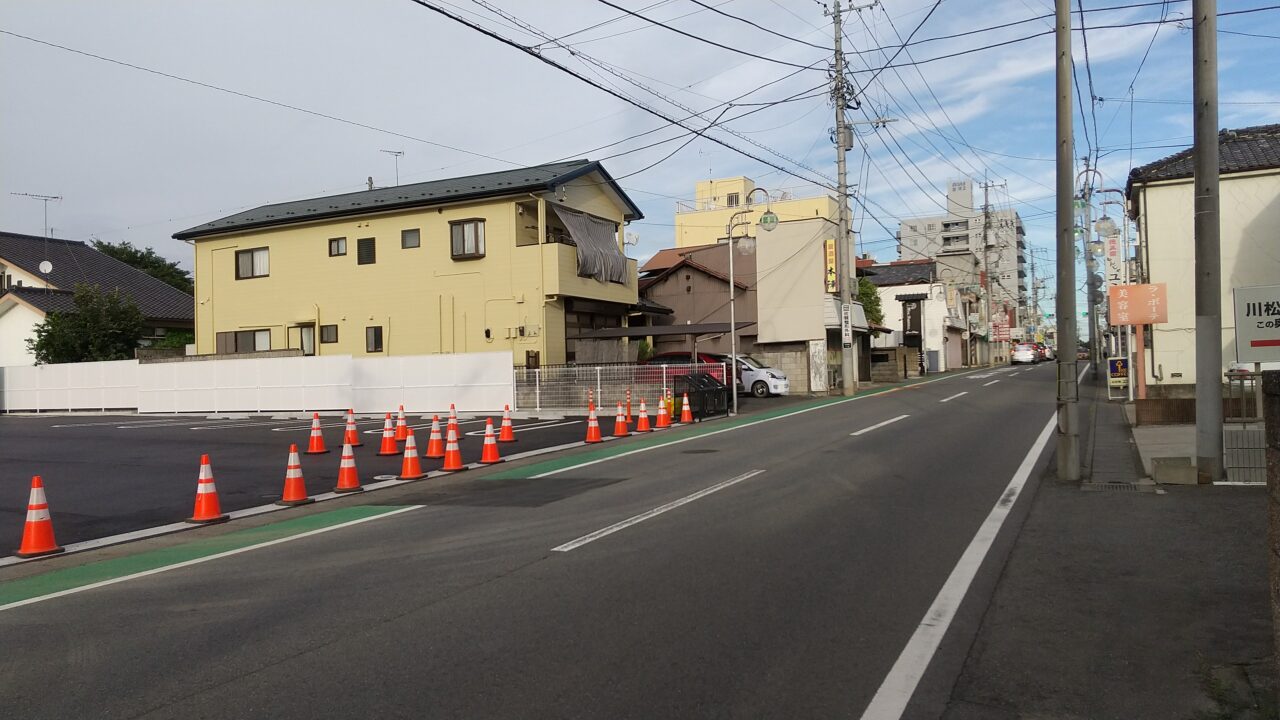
(389, 446)
(37, 534)
(208, 509)
(295, 489)
(411, 467)
(351, 436)
(620, 423)
(452, 453)
(402, 428)
(664, 420)
(642, 422)
(593, 427)
(628, 416)
(508, 433)
(348, 476)
(686, 412)
(453, 414)
(435, 443)
(315, 446)
(489, 455)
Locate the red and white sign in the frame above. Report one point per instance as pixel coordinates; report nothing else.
(1138, 304)
(1258, 323)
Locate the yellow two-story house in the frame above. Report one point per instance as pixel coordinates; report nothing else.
(519, 260)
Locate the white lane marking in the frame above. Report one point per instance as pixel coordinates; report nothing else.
(953, 397)
(993, 382)
(899, 685)
(207, 558)
(746, 425)
(120, 424)
(878, 425)
(653, 513)
(523, 428)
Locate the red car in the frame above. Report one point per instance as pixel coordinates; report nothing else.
(684, 358)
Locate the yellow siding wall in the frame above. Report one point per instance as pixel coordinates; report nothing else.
(708, 226)
(426, 301)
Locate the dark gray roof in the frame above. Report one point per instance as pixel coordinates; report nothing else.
(46, 300)
(891, 274)
(77, 263)
(435, 192)
(1251, 148)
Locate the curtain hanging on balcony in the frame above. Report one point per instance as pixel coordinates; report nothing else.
(597, 241)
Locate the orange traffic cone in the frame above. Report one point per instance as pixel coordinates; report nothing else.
(628, 406)
(295, 489)
(642, 423)
(351, 436)
(348, 477)
(489, 455)
(452, 454)
(388, 446)
(208, 510)
(315, 446)
(37, 534)
(593, 427)
(453, 414)
(508, 433)
(402, 428)
(664, 420)
(620, 424)
(591, 399)
(411, 468)
(435, 443)
(686, 413)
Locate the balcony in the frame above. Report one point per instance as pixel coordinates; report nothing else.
(560, 277)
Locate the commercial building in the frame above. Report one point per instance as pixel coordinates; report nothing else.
(705, 221)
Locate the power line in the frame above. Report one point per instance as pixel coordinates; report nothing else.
(760, 27)
(1088, 69)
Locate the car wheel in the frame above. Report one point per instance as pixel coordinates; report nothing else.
(760, 389)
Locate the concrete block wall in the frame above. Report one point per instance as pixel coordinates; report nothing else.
(791, 358)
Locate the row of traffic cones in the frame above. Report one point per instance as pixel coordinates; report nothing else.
(622, 420)
(395, 433)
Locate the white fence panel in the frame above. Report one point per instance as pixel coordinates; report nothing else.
(247, 385)
(80, 386)
(474, 382)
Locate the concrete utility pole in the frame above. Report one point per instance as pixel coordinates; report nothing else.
(1271, 417)
(840, 98)
(986, 271)
(1065, 302)
(1090, 271)
(1204, 30)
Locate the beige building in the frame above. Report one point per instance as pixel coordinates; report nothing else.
(519, 260)
(1161, 200)
(706, 220)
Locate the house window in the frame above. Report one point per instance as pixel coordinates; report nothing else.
(732, 200)
(373, 339)
(337, 246)
(252, 263)
(366, 251)
(410, 238)
(467, 238)
(243, 341)
(328, 333)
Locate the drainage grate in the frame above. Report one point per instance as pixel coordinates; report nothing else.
(1113, 487)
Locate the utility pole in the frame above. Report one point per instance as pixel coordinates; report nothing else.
(986, 270)
(1090, 271)
(839, 96)
(1065, 302)
(1204, 30)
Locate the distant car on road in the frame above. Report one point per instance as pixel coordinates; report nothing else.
(1024, 353)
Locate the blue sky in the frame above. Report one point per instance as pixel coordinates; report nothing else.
(138, 156)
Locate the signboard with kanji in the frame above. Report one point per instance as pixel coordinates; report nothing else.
(1258, 323)
(1000, 332)
(1138, 304)
(831, 274)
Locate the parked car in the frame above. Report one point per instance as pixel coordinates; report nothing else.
(1044, 351)
(681, 357)
(1024, 353)
(759, 379)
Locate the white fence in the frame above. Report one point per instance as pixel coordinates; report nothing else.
(475, 382)
(569, 387)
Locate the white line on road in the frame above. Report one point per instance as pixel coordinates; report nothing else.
(653, 513)
(993, 382)
(953, 397)
(535, 426)
(878, 425)
(899, 685)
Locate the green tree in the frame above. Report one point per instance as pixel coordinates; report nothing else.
(175, 339)
(103, 326)
(149, 262)
(869, 296)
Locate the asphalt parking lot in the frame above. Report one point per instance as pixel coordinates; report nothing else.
(106, 475)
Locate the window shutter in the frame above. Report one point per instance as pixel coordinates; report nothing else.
(366, 251)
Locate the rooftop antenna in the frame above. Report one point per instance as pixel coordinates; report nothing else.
(395, 154)
(46, 267)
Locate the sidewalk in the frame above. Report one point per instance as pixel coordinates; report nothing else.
(1124, 604)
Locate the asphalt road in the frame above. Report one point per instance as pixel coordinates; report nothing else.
(790, 591)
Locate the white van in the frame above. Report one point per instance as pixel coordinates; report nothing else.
(759, 379)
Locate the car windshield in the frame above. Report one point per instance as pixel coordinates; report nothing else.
(751, 362)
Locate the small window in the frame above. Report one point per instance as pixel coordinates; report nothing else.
(732, 200)
(366, 251)
(467, 238)
(243, 341)
(337, 246)
(328, 333)
(252, 263)
(373, 339)
(410, 238)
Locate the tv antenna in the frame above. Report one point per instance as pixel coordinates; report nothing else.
(45, 199)
(396, 154)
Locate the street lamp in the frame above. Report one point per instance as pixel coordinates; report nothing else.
(768, 221)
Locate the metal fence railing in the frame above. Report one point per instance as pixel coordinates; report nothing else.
(1242, 402)
(568, 388)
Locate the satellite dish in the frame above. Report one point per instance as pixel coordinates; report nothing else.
(46, 267)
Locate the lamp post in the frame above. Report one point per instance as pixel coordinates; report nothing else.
(768, 221)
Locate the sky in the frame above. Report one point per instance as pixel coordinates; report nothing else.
(151, 116)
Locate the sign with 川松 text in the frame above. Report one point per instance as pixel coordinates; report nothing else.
(1258, 323)
(1138, 304)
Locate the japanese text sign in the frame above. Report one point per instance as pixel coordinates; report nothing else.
(1258, 323)
(1138, 304)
